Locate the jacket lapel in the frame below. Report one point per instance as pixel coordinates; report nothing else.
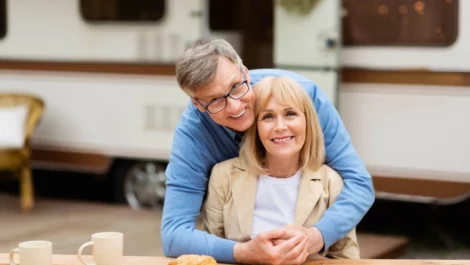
(310, 189)
(244, 195)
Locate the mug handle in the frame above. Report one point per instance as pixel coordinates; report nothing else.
(89, 243)
(12, 254)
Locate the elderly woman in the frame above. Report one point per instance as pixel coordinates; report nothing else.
(280, 178)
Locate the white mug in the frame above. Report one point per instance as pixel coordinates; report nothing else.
(33, 253)
(107, 248)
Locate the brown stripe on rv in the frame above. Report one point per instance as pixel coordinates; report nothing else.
(90, 67)
(349, 75)
(71, 158)
(421, 187)
(409, 77)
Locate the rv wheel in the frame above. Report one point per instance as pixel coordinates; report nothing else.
(140, 184)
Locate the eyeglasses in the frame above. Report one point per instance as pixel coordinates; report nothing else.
(237, 92)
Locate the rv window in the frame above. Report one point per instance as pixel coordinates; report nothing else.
(122, 10)
(223, 15)
(248, 25)
(3, 18)
(400, 22)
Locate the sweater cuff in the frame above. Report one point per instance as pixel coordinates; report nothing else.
(224, 253)
(329, 231)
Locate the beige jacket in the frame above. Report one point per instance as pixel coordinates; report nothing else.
(228, 209)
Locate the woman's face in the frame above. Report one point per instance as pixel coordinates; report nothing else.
(281, 130)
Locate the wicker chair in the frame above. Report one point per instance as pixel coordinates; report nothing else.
(18, 160)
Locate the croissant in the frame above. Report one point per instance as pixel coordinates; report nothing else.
(193, 260)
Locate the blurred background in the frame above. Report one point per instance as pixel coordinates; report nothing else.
(89, 102)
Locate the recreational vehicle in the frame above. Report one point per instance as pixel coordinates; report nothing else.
(397, 72)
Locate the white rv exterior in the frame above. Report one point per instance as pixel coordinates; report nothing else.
(401, 131)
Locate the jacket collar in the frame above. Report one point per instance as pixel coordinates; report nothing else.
(244, 185)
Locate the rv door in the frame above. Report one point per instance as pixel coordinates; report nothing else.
(307, 40)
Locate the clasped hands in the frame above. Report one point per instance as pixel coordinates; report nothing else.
(289, 245)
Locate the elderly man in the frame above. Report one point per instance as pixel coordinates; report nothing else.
(210, 131)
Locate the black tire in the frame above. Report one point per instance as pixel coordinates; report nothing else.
(122, 170)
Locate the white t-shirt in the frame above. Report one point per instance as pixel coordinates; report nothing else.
(275, 202)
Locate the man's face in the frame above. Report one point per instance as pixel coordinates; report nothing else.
(239, 113)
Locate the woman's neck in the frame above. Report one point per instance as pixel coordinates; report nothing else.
(282, 167)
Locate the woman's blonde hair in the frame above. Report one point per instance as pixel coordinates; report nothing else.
(284, 91)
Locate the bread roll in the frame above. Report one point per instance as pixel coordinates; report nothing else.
(193, 260)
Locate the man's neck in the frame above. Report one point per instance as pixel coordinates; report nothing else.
(237, 135)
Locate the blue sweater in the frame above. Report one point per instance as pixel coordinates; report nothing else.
(199, 143)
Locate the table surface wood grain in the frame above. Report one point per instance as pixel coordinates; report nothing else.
(147, 260)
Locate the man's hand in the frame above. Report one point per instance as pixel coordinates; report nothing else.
(261, 250)
(314, 236)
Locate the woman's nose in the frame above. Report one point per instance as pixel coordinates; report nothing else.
(280, 125)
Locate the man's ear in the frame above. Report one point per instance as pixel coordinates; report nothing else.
(201, 109)
(247, 73)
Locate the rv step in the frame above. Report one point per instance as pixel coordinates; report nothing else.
(376, 246)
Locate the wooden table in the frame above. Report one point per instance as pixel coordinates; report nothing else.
(140, 260)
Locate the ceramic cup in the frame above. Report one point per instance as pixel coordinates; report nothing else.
(107, 248)
(33, 253)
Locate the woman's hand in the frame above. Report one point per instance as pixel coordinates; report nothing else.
(261, 250)
(313, 234)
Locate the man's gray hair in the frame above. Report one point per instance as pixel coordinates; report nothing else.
(197, 65)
